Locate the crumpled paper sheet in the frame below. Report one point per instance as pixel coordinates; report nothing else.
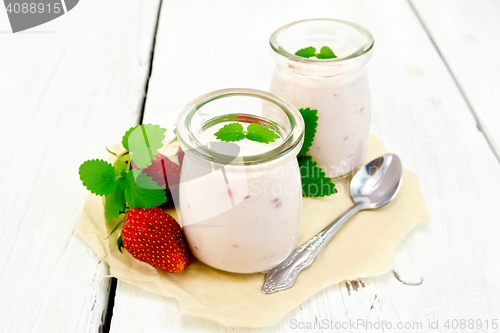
(362, 247)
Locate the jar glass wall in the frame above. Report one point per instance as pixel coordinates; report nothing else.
(338, 88)
(240, 201)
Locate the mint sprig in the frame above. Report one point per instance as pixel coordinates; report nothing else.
(308, 52)
(255, 132)
(314, 180)
(311, 122)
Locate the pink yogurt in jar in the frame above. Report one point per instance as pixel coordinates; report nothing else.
(240, 202)
(337, 88)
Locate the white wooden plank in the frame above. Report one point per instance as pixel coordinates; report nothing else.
(68, 88)
(419, 113)
(467, 33)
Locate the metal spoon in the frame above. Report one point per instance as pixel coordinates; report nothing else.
(373, 186)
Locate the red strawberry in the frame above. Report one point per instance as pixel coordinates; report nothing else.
(155, 238)
(180, 155)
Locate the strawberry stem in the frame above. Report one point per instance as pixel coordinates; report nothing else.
(119, 243)
(109, 151)
(121, 218)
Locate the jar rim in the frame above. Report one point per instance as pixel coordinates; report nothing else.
(187, 137)
(365, 48)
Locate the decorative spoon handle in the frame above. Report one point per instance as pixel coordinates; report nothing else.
(283, 276)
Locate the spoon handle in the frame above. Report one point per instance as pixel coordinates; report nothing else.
(283, 276)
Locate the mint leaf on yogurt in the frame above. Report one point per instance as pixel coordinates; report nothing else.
(230, 133)
(309, 52)
(325, 53)
(259, 133)
(306, 52)
(255, 132)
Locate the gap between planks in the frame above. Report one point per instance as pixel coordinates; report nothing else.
(106, 325)
(460, 89)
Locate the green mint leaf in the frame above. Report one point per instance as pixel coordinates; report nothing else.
(230, 132)
(142, 192)
(325, 53)
(119, 243)
(306, 52)
(311, 122)
(126, 135)
(314, 180)
(98, 176)
(114, 203)
(122, 180)
(255, 132)
(259, 133)
(144, 142)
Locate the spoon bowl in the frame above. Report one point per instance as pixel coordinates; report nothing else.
(378, 182)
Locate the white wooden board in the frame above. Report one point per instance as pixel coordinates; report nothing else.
(419, 113)
(467, 33)
(68, 88)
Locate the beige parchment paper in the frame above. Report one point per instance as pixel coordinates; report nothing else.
(362, 247)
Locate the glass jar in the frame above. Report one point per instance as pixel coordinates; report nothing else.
(338, 88)
(240, 202)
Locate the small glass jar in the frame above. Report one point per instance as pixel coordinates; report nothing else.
(338, 88)
(240, 202)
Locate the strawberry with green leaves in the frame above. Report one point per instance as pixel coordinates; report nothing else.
(123, 186)
(135, 184)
